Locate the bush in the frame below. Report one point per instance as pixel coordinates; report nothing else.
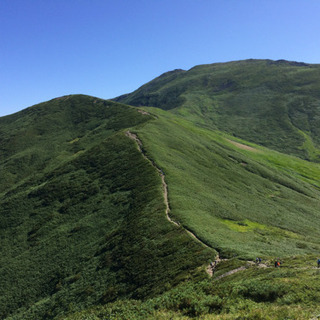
(260, 291)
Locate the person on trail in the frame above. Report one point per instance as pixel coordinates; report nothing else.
(260, 260)
(318, 262)
(213, 264)
(277, 264)
(257, 260)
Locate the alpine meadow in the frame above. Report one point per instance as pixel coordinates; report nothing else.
(174, 201)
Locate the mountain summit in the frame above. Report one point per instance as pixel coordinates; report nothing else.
(272, 103)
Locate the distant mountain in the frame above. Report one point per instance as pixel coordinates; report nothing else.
(272, 103)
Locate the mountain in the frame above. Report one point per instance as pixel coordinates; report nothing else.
(113, 210)
(82, 212)
(272, 103)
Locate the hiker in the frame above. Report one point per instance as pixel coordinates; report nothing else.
(277, 264)
(260, 260)
(257, 260)
(318, 262)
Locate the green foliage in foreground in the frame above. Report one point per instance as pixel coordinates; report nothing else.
(288, 292)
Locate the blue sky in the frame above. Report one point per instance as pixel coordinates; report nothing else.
(105, 48)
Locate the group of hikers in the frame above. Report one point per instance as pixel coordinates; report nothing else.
(277, 262)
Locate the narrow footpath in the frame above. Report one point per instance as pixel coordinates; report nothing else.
(209, 269)
(134, 137)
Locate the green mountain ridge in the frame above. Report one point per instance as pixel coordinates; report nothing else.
(271, 103)
(74, 226)
(84, 230)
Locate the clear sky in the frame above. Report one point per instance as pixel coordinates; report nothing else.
(105, 48)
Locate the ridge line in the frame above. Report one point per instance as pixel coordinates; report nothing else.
(134, 137)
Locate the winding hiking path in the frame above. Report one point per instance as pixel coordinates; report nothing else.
(134, 137)
(252, 264)
(230, 273)
(209, 269)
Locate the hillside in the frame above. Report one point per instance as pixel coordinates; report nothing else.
(113, 211)
(271, 103)
(241, 201)
(82, 212)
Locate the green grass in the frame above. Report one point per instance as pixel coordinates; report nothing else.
(90, 226)
(271, 103)
(288, 292)
(214, 185)
(84, 233)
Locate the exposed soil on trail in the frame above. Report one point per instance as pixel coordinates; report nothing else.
(164, 184)
(243, 146)
(134, 137)
(144, 112)
(230, 273)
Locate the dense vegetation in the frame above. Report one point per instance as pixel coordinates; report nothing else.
(240, 202)
(272, 103)
(84, 234)
(85, 224)
(261, 293)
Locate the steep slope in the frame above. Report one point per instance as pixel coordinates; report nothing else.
(240, 199)
(245, 201)
(110, 210)
(82, 212)
(41, 137)
(272, 103)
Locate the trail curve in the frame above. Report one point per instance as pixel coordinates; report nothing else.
(134, 137)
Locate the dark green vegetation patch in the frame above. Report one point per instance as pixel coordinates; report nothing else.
(85, 223)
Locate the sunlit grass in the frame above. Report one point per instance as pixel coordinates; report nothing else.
(212, 181)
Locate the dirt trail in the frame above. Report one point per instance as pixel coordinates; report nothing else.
(134, 137)
(230, 273)
(243, 146)
(210, 271)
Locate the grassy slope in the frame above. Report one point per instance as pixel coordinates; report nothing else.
(239, 202)
(85, 224)
(249, 202)
(272, 103)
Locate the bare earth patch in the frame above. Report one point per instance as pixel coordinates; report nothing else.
(243, 146)
(144, 112)
(134, 137)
